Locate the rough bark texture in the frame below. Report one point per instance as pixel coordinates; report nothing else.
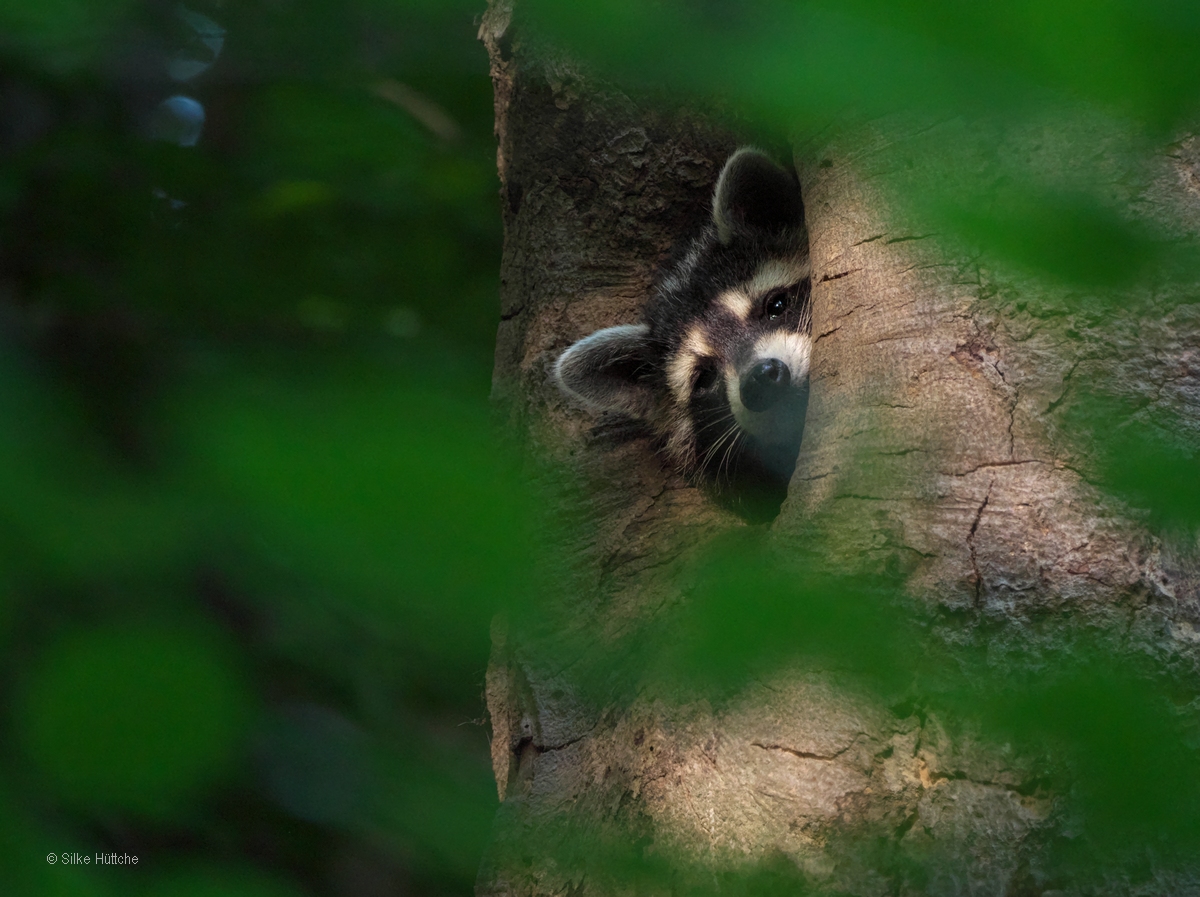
(934, 449)
(937, 401)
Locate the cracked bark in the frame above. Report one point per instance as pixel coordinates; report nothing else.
(981, 384)
(975, 574)
(935, 448)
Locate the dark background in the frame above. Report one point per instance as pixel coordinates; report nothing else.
(253, 522)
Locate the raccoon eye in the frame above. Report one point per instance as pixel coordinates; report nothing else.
(775, 305)
(706, 379)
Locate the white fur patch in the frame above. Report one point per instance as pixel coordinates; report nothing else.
(742, 302)
(777, 273)
(738, 303)
(680, 275)
(791, 348)
(679, 375)
(681, 444)
(682, 368)
(577, 371)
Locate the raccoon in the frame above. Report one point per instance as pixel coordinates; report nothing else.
(718, 367)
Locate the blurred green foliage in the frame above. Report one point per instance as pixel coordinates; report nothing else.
(255, 520)
(131, 718)
(60, 35)
(1000, 69)
(1145, 454)
(1116, 738)
(804, 60)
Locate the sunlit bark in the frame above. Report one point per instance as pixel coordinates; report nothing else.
(935, 451)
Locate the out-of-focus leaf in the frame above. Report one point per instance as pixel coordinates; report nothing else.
(392, 490)
(61, 35)
(1147, 461)
(1131, 754)
(68, 511)
(323, 134)
(1069, 237)
(292, 196)
(24, 867)
(131, 717)
(752, 613)
(318, 765)
(436, 804)
(1151, 474)
(877, 56)
(818, 67)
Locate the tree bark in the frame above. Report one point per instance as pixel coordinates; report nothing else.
(934, 375)
(937, 451)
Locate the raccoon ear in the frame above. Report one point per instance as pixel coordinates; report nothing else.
(755, 195)
(607, 370)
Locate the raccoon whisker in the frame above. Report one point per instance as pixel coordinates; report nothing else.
(712, 449)
(716, 422)
(723, 419)
(728, 458)
(735, 304)
(732, 430)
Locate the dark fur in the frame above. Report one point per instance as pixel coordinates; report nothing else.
(757, 220)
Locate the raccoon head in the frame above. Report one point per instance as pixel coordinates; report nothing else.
(719, 364)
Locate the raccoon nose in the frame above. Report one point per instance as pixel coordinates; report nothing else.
(765, 384)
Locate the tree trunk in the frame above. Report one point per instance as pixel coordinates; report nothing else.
(938, 452)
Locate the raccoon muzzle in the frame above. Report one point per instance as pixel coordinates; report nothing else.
(765, 384)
